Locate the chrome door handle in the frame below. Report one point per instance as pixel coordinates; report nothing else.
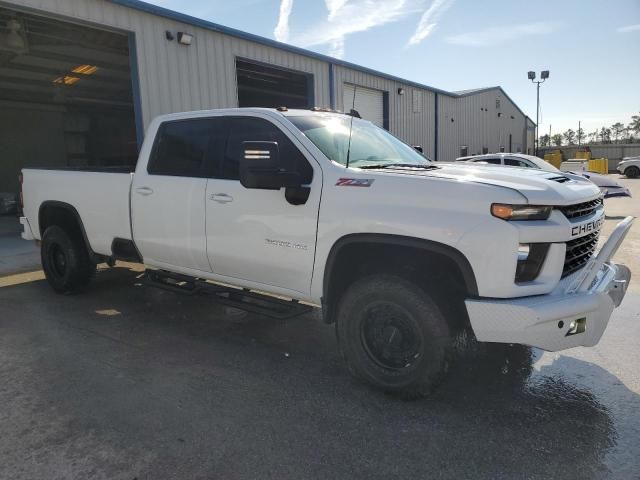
(221, 197)
(144, 191)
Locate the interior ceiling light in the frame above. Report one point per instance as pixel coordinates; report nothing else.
(85, 69)
(66, 80)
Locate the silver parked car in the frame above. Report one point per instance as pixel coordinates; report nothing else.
(630, 166)
(609, 187)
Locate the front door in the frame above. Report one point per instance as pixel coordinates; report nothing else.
(258, 235)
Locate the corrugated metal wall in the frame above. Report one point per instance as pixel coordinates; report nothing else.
(174, 77)
(411, 116)
(473, 121)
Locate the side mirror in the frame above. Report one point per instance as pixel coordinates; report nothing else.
(260, 167)
(418, 148)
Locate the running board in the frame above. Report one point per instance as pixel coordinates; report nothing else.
(243, 299)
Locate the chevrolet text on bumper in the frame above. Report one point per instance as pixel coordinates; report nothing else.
(575, 314)
(322, 208)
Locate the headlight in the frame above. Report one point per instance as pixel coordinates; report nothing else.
(520, 212)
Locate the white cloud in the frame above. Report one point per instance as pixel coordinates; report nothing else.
(429, 20)
(334, 7)
(337, 48)
(629, 28)
(281, 32)
(497, 35)
(345, 17)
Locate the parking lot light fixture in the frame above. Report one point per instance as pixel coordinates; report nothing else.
(532, 76)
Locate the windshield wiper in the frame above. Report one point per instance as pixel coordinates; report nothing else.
(400, 165)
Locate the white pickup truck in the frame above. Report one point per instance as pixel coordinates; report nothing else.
(320, 207)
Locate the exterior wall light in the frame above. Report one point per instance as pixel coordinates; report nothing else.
(185, 38)
(400, 91)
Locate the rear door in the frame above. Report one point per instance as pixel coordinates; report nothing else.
(168, 196)
(261, 236)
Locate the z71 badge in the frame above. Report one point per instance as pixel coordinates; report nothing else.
(354, 182)
(587, 227)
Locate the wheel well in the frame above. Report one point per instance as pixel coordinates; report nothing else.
(64, 216)
(438, 268)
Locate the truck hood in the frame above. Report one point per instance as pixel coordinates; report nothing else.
(538, 186)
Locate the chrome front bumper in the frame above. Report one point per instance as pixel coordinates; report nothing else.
(548, 321)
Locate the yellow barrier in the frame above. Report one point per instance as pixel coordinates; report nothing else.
(583, 155)
(598, 165)
(554, 159)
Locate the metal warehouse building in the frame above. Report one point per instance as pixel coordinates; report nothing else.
(80, 80)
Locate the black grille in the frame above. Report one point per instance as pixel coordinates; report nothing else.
(579, 251)
(581, 209)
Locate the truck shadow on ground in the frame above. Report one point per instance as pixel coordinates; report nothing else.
(155, 382)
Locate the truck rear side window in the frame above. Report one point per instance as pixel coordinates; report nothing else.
(182, 147)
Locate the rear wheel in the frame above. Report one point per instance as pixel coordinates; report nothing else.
(632, 172)
(65, 261)
(393, 335)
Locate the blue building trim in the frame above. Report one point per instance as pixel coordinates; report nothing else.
(135, 88)
(385, 110)
(435, 128)
(332, 87)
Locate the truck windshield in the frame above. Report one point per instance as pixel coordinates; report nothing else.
(371, 146)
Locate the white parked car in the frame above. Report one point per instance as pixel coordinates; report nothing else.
(337, 212)
(630, 166)
(609, 187)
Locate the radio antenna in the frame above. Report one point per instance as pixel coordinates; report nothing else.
(352, 113)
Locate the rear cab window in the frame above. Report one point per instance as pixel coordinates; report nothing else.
(186, 148)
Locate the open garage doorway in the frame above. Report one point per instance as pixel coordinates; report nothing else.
(65, 96)
(262, 85)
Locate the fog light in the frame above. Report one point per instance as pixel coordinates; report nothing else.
(531, 257)
(577, 326)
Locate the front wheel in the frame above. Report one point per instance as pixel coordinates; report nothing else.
(393, 335)
(632, 172)
(65, 261)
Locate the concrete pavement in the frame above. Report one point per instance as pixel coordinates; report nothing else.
(127, 381)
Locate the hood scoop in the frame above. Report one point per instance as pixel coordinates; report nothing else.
(559, 179)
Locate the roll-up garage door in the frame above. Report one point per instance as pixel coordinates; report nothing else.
(368, 102)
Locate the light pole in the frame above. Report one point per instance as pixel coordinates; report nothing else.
(532, 76)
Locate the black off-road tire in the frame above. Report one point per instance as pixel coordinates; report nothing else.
(66, 261)
(632, 172)
(393, 335)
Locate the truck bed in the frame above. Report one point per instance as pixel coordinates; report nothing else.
(99, 195)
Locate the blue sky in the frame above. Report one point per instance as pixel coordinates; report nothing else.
(591, 47)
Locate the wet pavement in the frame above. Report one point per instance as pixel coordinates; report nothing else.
(129, 382)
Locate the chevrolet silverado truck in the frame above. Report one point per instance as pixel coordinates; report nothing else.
(331, 211)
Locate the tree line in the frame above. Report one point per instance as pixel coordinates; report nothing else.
(616, 133)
